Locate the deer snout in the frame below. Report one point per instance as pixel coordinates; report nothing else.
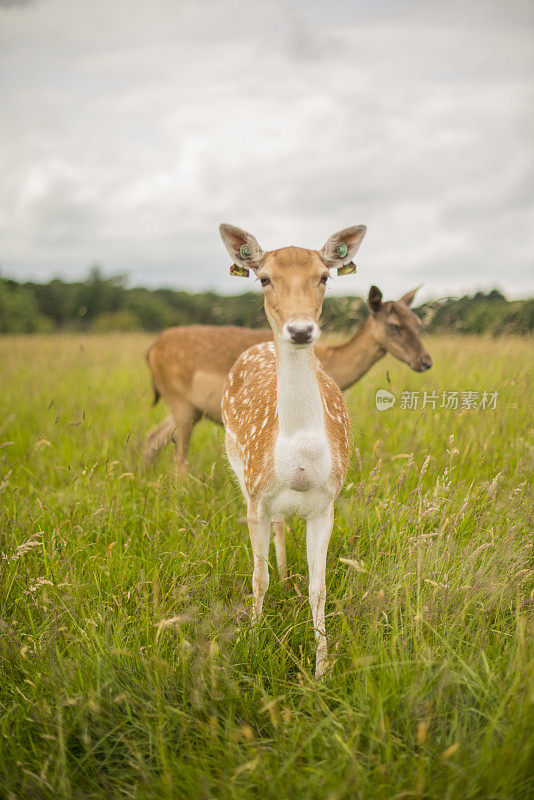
(301, 331)
(421, 363)
(425, 362)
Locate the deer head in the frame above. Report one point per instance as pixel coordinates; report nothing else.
(293, 279)
(396, 329)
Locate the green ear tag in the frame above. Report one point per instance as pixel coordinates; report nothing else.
(347, 269)
(244, 252)
(239, 272)
(342, 250)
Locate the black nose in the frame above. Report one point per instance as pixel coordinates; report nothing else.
(300, 334)
(426, 362)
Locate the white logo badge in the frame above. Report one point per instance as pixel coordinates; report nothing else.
(384, 399)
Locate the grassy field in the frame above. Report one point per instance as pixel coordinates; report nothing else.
(129, 667)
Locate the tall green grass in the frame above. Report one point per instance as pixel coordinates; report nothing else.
(129, 667)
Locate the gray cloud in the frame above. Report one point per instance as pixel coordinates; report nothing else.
(131, 133)
(14, 3)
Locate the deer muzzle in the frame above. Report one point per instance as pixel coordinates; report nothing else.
(300, 331)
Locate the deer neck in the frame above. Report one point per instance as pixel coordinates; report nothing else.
(347, 362)
(299, 403)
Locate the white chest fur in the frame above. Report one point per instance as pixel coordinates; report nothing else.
(302, 458)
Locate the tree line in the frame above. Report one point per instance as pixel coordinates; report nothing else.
(104, 304)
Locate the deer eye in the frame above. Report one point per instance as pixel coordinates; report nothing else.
(392, 329)
(323, 279)
(264, 280)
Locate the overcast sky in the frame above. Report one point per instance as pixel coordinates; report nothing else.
(130, 130)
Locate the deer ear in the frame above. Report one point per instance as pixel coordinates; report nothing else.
(407, 298)
(341, 247)
(243, 248)
(374, 300)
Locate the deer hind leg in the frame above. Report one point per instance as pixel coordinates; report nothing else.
(259, 527)
(185, 416)
(157, 438)
(279, 531)
(318, 534)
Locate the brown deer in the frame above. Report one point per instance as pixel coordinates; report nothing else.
(287, 425)
(189, 365)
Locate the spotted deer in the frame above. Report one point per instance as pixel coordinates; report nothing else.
(287, 425)
(189, 365)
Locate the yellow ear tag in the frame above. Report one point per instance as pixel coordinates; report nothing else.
(239, 272)
(347, 269)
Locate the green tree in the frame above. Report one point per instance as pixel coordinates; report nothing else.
(19, 311)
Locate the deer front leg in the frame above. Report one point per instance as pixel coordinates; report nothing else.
(259, 527)
(279, 531)
(318, 533)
